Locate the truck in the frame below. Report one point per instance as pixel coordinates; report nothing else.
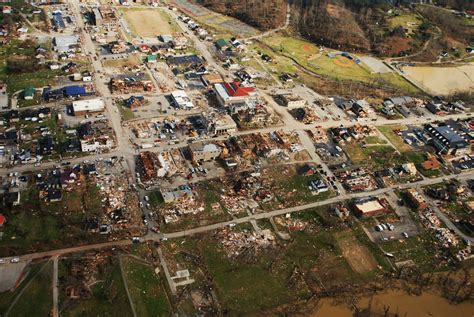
(147, 146)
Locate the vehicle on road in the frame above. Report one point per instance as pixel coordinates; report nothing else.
(15, 260)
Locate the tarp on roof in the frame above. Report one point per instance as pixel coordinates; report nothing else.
(74, 91)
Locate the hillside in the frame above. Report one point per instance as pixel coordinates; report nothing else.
(362, 25)
(264, 14)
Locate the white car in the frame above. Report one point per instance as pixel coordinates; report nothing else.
(2, 261)
(15, 260)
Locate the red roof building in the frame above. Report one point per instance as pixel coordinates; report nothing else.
(144, 48)
(2, 220)
(231, 93)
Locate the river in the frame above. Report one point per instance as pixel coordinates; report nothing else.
(427, 304)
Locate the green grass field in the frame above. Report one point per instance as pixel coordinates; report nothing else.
(337, 67)
(146, 288)
(37, 297)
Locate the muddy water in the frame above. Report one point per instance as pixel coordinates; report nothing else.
(427, 304)
(443, 80)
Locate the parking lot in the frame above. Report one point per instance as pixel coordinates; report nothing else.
(401, 229)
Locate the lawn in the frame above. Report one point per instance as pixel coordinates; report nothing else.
(248, 288)
(310, 261)
(388, 131)
(37, 298)
(146, 288)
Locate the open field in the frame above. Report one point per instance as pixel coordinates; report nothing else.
(31, 271)
(375, 156)
(408, 21)
(336, 67)
(146, 288)
(443, 80)
(131, 61)
(150, 22)
(357, 255)
(37, 297)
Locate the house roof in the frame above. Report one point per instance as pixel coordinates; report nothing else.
(74, 90)
(235, 90)
(3, 219)
(187, 59)
(221, 43)
(29, 91)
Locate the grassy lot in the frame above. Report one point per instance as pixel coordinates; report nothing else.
(109, 297)
(387, 130)
(248, 288)
(291, 188)
(36, 225)
(17, 81)
(419, 249)
(374, 140)
(375, 156)
(146, 288)
(37, 298)
(338, 67)
(131, 61)
(7, 298)
(125, 113)
(156, 199)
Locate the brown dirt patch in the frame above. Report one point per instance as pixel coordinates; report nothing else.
(307, 48)
(343, 62)
(149, 22)
(358, 256)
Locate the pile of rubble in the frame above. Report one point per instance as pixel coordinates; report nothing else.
(239, 242)
(444, 235)
(291, 224)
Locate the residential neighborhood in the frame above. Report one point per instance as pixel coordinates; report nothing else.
(158, 158)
